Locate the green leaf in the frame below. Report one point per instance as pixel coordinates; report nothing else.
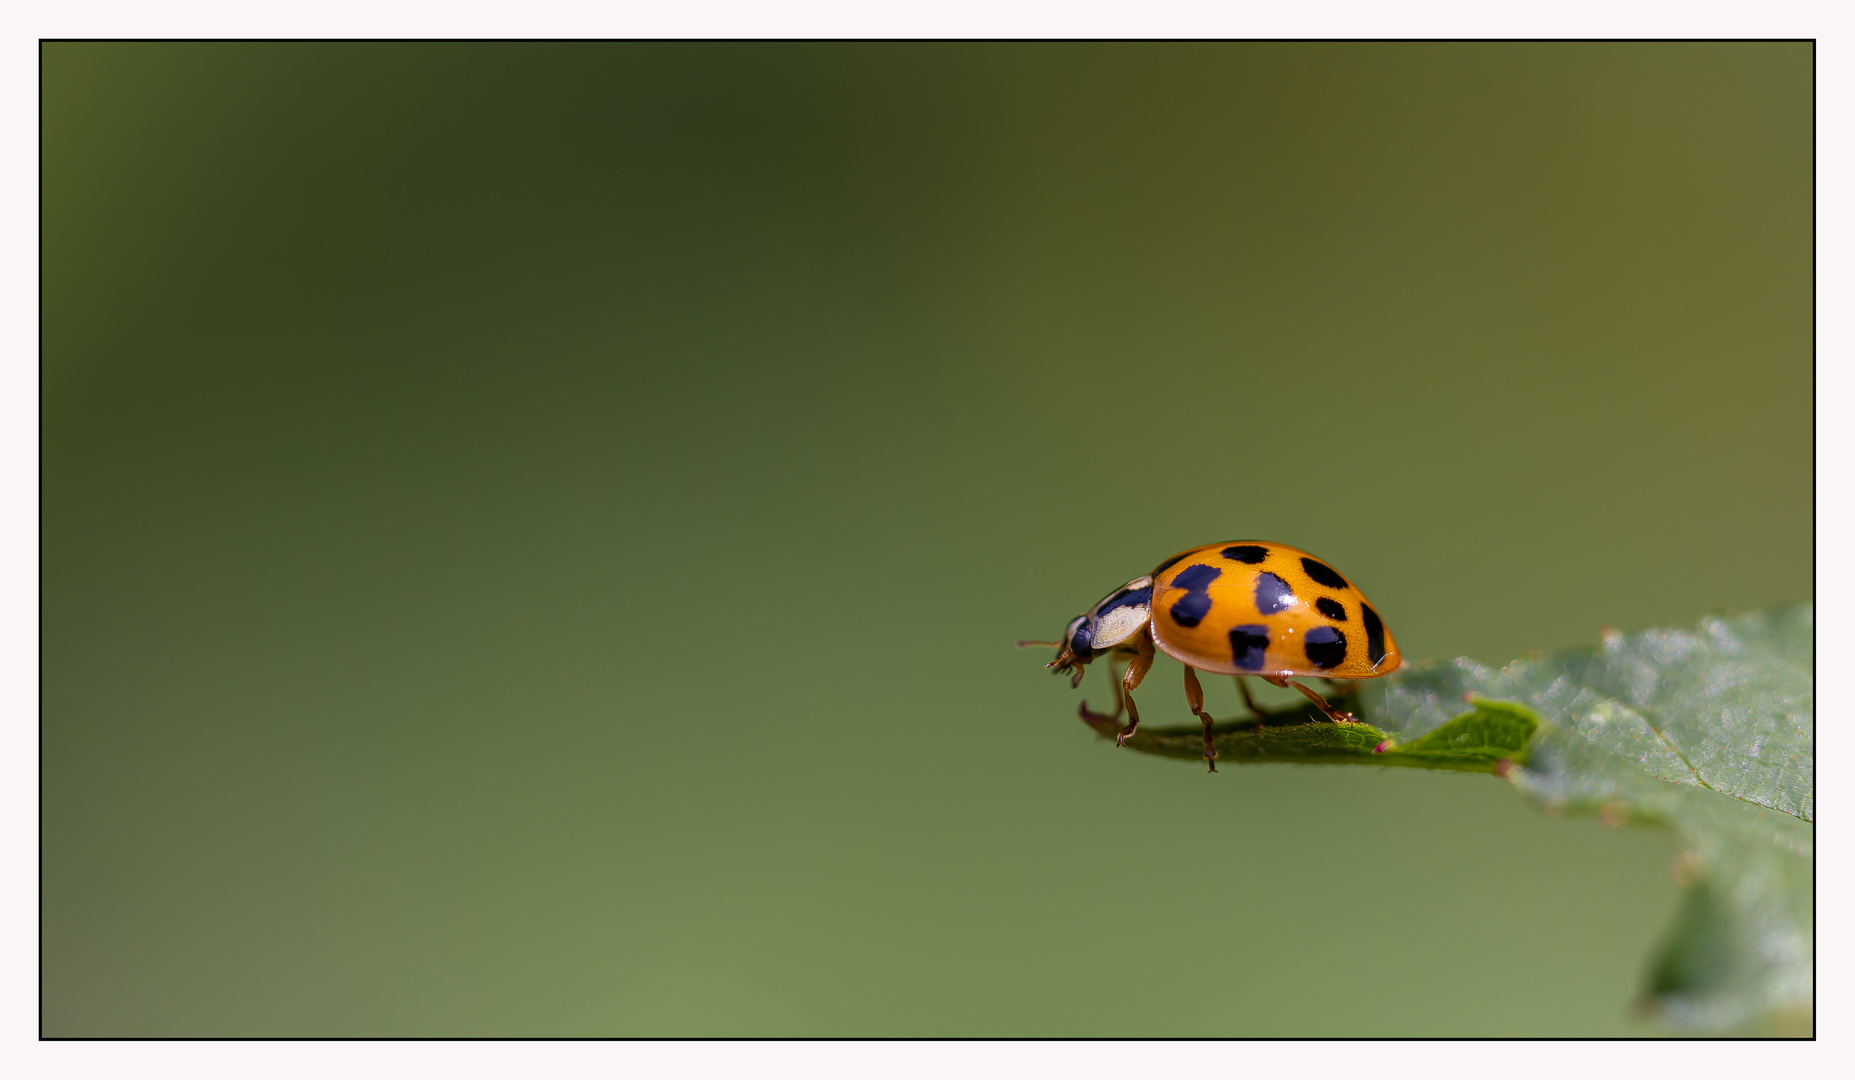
(1486, 739)
(1294, 735)
(1489, 739)
(1710, 732)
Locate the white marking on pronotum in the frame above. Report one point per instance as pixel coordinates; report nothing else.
(1120, 624)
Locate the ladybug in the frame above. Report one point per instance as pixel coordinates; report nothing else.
(1246, 607)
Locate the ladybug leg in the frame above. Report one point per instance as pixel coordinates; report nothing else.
(1114, 684)
(1248, 701)
(1136, 670)
(1194, 696)
(1320, 703)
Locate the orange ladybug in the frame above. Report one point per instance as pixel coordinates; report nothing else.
(1246, 607)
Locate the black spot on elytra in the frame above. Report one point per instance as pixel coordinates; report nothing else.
(1246, 553)
(1272, 593)
(1196, 578)
(1126, 598)
(1323, 573)
(1331, 608)
(1247, 645)
(1168, 564)
(1196, 603)
(1191, 608)
(1374, 634)
(1326, 647)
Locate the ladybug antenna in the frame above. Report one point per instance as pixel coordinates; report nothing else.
(1041, 644)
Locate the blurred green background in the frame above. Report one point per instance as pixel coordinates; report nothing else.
(534, 534)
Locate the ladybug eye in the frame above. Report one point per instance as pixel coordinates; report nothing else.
(1079, 636)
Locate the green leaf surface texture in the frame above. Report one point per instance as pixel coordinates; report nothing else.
(1709, 731)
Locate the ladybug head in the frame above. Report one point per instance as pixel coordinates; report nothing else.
(1075, 650)
(1109, 627)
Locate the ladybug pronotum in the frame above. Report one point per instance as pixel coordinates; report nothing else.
(1246, 607)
